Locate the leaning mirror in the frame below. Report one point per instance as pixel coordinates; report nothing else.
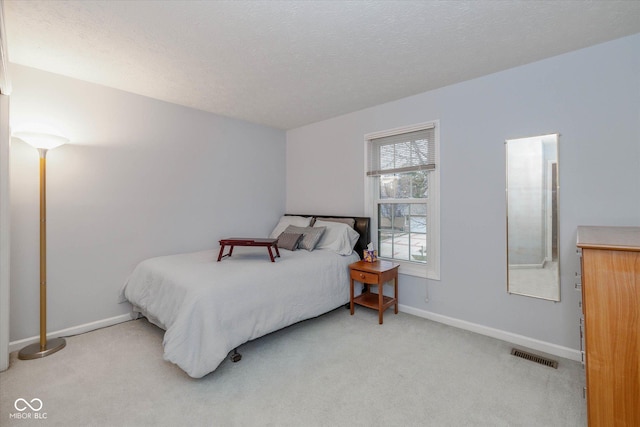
(532, 217)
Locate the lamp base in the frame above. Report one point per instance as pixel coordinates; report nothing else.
(34, 351)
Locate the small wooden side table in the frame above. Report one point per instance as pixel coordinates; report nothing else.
(374, 273)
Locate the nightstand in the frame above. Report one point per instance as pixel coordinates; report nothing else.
(374, 273)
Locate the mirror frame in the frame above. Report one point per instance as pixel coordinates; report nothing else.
(556, 220)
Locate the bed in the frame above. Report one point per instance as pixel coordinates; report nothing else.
(209, 308)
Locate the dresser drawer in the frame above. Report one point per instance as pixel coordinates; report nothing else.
(363, 277)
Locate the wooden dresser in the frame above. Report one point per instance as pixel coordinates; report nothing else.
(610, 267)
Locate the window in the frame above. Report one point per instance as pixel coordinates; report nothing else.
(402, 197)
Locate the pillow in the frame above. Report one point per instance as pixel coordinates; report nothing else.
(349, 221)
(310, 236)
(338, 237)
(289, 241)
(286, 220)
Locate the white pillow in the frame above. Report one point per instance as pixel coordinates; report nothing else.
(337, 237)
(287, 220)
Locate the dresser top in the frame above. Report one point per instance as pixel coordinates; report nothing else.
(614, 238)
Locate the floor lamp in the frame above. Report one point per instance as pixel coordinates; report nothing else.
(43, 142)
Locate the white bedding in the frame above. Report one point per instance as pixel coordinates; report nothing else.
(208, 308)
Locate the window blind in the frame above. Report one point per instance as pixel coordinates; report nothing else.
(404, 152)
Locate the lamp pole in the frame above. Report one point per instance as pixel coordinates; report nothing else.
(44, 347)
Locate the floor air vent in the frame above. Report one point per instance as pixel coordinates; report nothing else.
(534, 358)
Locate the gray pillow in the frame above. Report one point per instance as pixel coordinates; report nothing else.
(289, 241)
(310, 235)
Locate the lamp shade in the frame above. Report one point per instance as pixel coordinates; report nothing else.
(44, 141)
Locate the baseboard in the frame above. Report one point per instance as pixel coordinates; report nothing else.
(80, 329)
(531, 343)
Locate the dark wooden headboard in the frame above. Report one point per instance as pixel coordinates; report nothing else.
(362, 226)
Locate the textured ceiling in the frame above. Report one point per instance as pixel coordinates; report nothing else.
(290, 63)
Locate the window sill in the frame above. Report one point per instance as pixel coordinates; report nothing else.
(416, 270)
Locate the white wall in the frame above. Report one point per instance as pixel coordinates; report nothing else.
(591, 97)
(141, 178)
(5, 226)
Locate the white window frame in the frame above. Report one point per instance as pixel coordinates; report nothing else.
(371, 186)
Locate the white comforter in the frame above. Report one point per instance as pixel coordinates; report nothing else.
(208, 308)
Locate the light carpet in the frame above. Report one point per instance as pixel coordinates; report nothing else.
(335, 370)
